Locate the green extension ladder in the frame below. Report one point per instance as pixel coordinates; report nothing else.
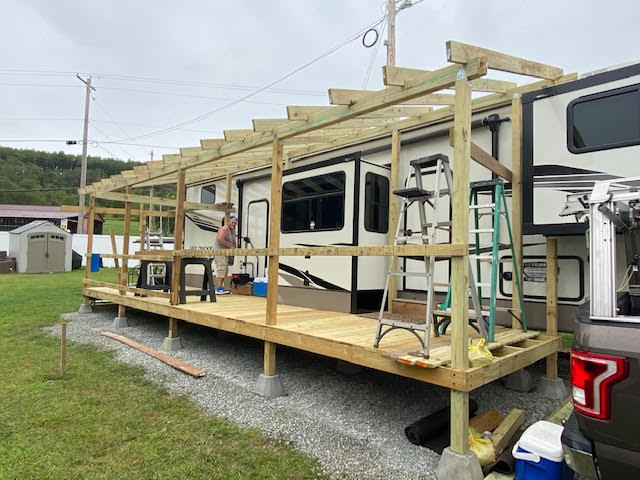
(496, 209)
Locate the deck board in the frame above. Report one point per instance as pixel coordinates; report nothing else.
(343, 336)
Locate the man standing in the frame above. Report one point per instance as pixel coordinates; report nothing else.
(225, 238)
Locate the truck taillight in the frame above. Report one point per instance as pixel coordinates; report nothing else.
(592, 376)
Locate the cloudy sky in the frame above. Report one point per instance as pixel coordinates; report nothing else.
(169, 73)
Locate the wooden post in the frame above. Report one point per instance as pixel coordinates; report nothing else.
(274, 260)
(63, 348)
(552, 302)
(227, 215)
(460, 265)
(114, 250)
(124, 273)
(394, 204)
(173, 327)
(516, 201)
(141, 226)
(178, 237)
(91, 220)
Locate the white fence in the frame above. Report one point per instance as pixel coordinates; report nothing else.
(101, 244)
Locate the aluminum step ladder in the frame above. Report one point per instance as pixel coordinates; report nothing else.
(497, 210)
(438, 167)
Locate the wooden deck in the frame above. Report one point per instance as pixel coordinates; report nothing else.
(346, 337)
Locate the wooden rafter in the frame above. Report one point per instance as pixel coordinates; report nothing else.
(458, 52)
(436, 80)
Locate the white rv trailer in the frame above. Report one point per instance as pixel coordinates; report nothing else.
(573, 134)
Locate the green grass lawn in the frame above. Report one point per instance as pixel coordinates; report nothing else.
(117, 223)
(103, 419)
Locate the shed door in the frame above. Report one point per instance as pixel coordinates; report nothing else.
(37, 253)
(55, 252)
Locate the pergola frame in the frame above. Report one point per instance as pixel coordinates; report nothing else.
(407, 102)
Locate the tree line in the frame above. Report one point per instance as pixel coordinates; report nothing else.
(24, 174)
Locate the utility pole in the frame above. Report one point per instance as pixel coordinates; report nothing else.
(83, 168)
(391, 33)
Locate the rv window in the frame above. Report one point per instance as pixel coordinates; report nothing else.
(604, 120)
(315, 203)
(208, 194)
(376, 203)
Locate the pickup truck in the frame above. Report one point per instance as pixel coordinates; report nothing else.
(601, 439)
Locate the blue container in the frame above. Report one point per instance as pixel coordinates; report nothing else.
(260, 289)
(95, 262)
(539, 455)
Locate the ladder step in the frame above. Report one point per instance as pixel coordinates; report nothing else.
(481, 230)
(472, 313)
(412, 192)
(482, 206)
(483, 284)
(400, 324)
(409, 274)
(430, 161)
(445, 223)
(482, 258)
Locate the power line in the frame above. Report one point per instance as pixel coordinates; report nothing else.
(158, 81)
(60, 119)
(37, 189)
(99, 144)
(58, 140)
(266, 87)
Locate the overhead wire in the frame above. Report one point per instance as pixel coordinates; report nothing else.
(266, 87)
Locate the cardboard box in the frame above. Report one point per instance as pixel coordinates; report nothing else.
(241, 289)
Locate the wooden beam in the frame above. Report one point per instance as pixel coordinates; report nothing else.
(552, 303)
(507, 429)
(436, 249)
(394, 212)
(274, 260)
(398, 76)
(339, 96)
(90, 222)
(480, 156)
(460, 265)
(169, 202)
(486, 160)
(113, 211)
(163, 357)
(138, 291)
(458, 52)
(516, 202)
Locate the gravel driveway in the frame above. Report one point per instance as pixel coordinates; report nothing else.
(353, 424)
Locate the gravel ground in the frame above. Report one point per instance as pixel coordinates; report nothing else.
(353, 424)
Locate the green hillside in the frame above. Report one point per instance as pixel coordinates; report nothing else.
(25, 173)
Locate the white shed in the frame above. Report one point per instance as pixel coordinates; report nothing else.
(39, 247)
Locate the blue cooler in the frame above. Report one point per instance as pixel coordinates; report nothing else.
(95, 262)
(538, 453)
(260, 286)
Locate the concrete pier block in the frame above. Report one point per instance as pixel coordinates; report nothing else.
(269, 386)
(459, 467)
(520, 381)
(552, 388)
(120, 322)
(171, 344)
(85, 308)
